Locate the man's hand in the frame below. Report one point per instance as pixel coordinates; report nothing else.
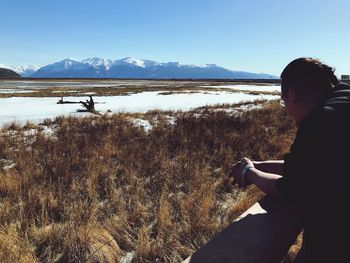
(239, 171)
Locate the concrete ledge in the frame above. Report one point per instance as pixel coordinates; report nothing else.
(264, 233)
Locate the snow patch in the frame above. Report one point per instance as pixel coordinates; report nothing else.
(171, 120)
(6, 164)
(133, 61)
(9, 91)
(143, 123)
(129, 256)
(99, 62)
(64, 91)
(48, 131)
(30, 132)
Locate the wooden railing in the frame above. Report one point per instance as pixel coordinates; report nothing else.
(264, 233)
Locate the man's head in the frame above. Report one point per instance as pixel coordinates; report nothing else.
(305, 81)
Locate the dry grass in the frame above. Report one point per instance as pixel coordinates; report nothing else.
(102, 187)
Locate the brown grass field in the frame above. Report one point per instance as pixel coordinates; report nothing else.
(58, 91)
(100, 189)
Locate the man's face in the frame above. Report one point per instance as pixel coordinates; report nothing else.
(287, 99)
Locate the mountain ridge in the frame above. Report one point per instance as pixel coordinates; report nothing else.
(133, 68)
(24, 71)
(7, 73)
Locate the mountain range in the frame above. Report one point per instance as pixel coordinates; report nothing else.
(24, 71)
(132, 68)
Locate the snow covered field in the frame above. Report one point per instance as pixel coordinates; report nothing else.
(22, 109)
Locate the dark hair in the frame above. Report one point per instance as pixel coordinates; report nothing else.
(309, 76)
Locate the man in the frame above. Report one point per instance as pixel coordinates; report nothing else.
(314, 173)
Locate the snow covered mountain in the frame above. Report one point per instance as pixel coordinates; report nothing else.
(68, 68)
(24, 71)
(137, 68)
(98, 62)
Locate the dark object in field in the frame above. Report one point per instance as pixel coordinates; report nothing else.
(61, 101)
(89, 104)
(82, 110)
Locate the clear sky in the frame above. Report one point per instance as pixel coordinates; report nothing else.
(249, 35)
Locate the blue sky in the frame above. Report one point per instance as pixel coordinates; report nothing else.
(249, 35)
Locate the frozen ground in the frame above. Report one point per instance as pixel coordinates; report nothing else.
(9, 91)
(22, 109)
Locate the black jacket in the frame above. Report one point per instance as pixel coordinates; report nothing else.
(316, 174)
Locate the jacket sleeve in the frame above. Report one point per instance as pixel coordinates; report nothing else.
(299, 164)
